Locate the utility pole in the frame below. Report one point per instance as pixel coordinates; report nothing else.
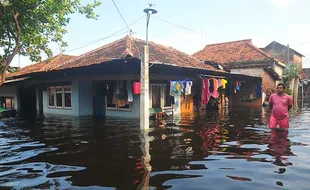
(144, 78)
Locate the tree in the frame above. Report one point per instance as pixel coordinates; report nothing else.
(28, 26)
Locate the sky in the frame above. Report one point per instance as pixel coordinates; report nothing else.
(190, 25)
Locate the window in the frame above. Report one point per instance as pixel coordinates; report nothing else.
(67, 98)
(160, 96)
(60, 97)
(110, 96)
(7, 102)
(51, 100)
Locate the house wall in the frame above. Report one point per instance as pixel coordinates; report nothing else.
(279, 69)
(85, 96)
(267, 81)
(10, 91)
(243, 97)
(298, 61)
(133, 113)
(74, 111)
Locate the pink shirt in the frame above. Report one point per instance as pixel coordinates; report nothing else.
(280, 105)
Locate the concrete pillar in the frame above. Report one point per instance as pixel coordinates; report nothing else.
(144, 96)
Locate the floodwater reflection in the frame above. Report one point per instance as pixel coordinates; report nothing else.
(210, 150)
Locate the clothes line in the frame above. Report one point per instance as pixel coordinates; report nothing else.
(201, 75)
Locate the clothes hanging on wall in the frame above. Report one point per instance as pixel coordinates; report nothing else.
(188, 88)
(224, 82)
(129, 91)
(215, 93)
(180, 88)
(136, 87)
(259, 91)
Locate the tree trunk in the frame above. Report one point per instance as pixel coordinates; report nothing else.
(295, 92)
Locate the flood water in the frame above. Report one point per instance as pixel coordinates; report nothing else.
(213, 150)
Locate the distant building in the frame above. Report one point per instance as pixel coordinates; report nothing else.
(242, 57)
(281, 52)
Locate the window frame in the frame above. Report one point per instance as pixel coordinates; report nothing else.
(116, 108)
(64, 95)
(162, 98)
(62, 92)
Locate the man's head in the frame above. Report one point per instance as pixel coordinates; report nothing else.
(280, 88)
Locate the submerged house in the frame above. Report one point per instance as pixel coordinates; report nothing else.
(242, 57)
(105, 81)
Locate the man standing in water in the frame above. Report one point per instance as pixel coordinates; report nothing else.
(280, 103)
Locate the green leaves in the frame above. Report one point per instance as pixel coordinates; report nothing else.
(290, 73)
(36, 24)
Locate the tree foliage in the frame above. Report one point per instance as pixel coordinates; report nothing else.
(290, 73)
(28, 26)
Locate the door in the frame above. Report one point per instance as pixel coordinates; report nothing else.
(156, 96)
(99, 91)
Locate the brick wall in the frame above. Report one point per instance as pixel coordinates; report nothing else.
(298, 61)
(268, 81)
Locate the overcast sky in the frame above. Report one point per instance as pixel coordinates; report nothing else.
(202, 22)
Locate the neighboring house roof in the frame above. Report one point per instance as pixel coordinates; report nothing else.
(236, 54)
(127, 47)
(43, 66)
(280, 47)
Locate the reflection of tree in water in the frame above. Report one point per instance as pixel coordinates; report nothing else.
(279, 147)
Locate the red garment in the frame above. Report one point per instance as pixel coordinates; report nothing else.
(205, 91)
(136, 88)
(215, 93)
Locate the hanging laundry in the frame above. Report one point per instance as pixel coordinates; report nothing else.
(206, 91)
(219, 81)
(259, 91)
(211, 87)
(172, 92)
(129, 91)
(238, 84)
(188, 88)
(121, 94)
(215, 93)
(224, 82)
(175, 88)
(136, 87)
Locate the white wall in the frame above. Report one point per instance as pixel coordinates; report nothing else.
(8, 90)
(279, 69)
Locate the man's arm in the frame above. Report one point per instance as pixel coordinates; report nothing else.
(290, 103)
(290, 107)
(270, 102)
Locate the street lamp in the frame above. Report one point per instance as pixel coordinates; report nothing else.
(144, 77)
(148, 12)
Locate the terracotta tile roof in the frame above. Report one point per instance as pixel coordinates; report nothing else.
(120, 49)
(133, 47)
(43, 66)
(235, 54)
